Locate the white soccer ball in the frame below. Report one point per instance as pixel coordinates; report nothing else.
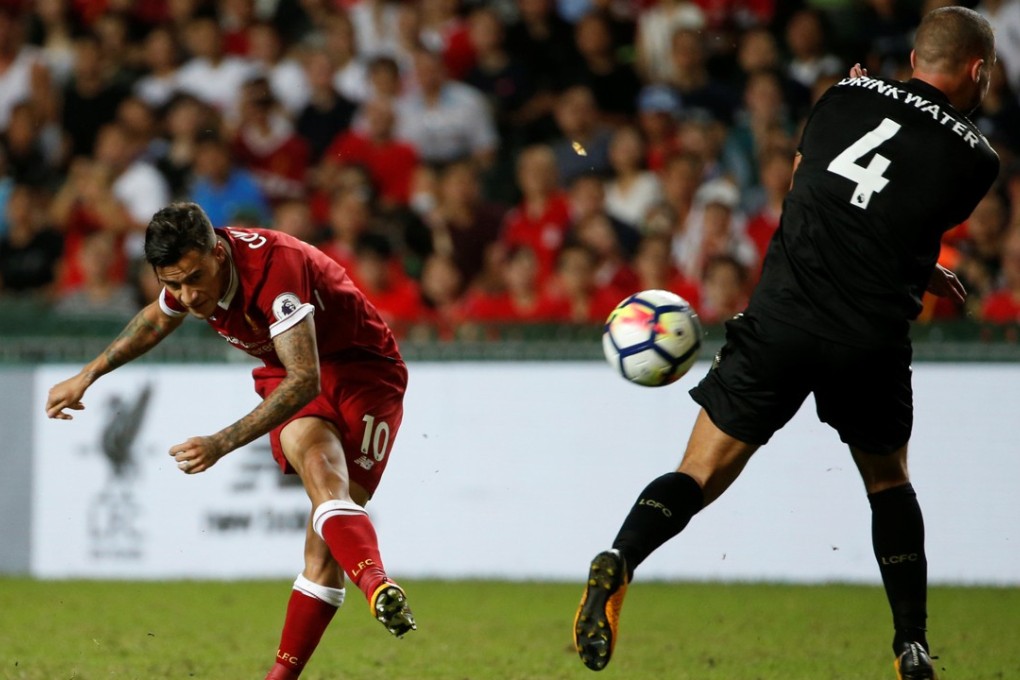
(652, 338)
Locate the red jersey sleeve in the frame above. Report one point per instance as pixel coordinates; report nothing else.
(169, 304)
(285, 296)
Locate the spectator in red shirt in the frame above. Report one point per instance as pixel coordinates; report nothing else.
(237, 17)
(613, 273)
(542, 218)
(390, 163)
(98, 293)
(521, 298)
(395, 295)
(1002, 305)
(981, 249)
(441, 288)
(85, 205)
(350, 215)
(574, 295)
(723, 289)
(442, 30)
(268, 146)
(653, 266)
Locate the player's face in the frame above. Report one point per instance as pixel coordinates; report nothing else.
(197, 280)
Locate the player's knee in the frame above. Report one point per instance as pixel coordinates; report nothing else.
(321, 468)
(881, 472)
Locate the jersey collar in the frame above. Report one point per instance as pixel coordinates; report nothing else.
(228, 297)
(933, 93)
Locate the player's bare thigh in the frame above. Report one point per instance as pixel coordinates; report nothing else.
(312, 447)
(713, 458)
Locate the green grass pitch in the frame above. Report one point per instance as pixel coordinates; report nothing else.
(479, 630)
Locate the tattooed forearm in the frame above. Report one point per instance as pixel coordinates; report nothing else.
(296, 349)
(139, 336)
(142, 333)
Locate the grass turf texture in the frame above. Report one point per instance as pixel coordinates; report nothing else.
(477, 630)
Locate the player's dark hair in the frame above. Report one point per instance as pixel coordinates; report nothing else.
(175, 231)
(948, 37)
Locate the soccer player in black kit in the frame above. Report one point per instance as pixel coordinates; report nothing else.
(883, 169)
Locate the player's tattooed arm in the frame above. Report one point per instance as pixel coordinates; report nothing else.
(297, 350)
(142, 333)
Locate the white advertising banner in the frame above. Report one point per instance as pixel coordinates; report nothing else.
(109, 500)
(516, 470)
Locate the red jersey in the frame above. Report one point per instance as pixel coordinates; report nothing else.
(500, 307)
(1001, 306)
(276, 281)
(544, 234)
(391, 164)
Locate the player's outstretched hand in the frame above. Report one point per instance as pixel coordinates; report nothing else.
(858, 71)
(944, 283)
(66, 395)
(198, 454)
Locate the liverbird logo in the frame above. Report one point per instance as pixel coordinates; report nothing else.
(121, 430)
(113, 515)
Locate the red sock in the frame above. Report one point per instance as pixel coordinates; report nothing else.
(309, 612)
(347, 530)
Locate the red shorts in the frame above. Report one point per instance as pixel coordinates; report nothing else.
(363, 399)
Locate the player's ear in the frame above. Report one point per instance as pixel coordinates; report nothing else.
(219, 251)
(976, 67)
(913, 59)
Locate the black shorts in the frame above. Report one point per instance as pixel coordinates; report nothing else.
(767, 368)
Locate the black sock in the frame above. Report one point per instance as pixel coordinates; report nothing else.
(897, 531)
(662, 511)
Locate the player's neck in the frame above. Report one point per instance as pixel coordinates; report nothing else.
(955, 90)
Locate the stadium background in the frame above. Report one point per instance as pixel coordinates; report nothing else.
(581, 150)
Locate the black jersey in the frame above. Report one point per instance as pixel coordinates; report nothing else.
(886, 169)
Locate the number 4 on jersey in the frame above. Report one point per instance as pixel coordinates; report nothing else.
(870, 180)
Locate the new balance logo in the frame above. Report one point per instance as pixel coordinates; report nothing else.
(657, 505)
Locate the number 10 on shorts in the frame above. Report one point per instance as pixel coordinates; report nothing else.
(377, 437)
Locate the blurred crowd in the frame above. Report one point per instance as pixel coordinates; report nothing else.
(465, 160)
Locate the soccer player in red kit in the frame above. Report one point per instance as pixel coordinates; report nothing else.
(332, 388)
